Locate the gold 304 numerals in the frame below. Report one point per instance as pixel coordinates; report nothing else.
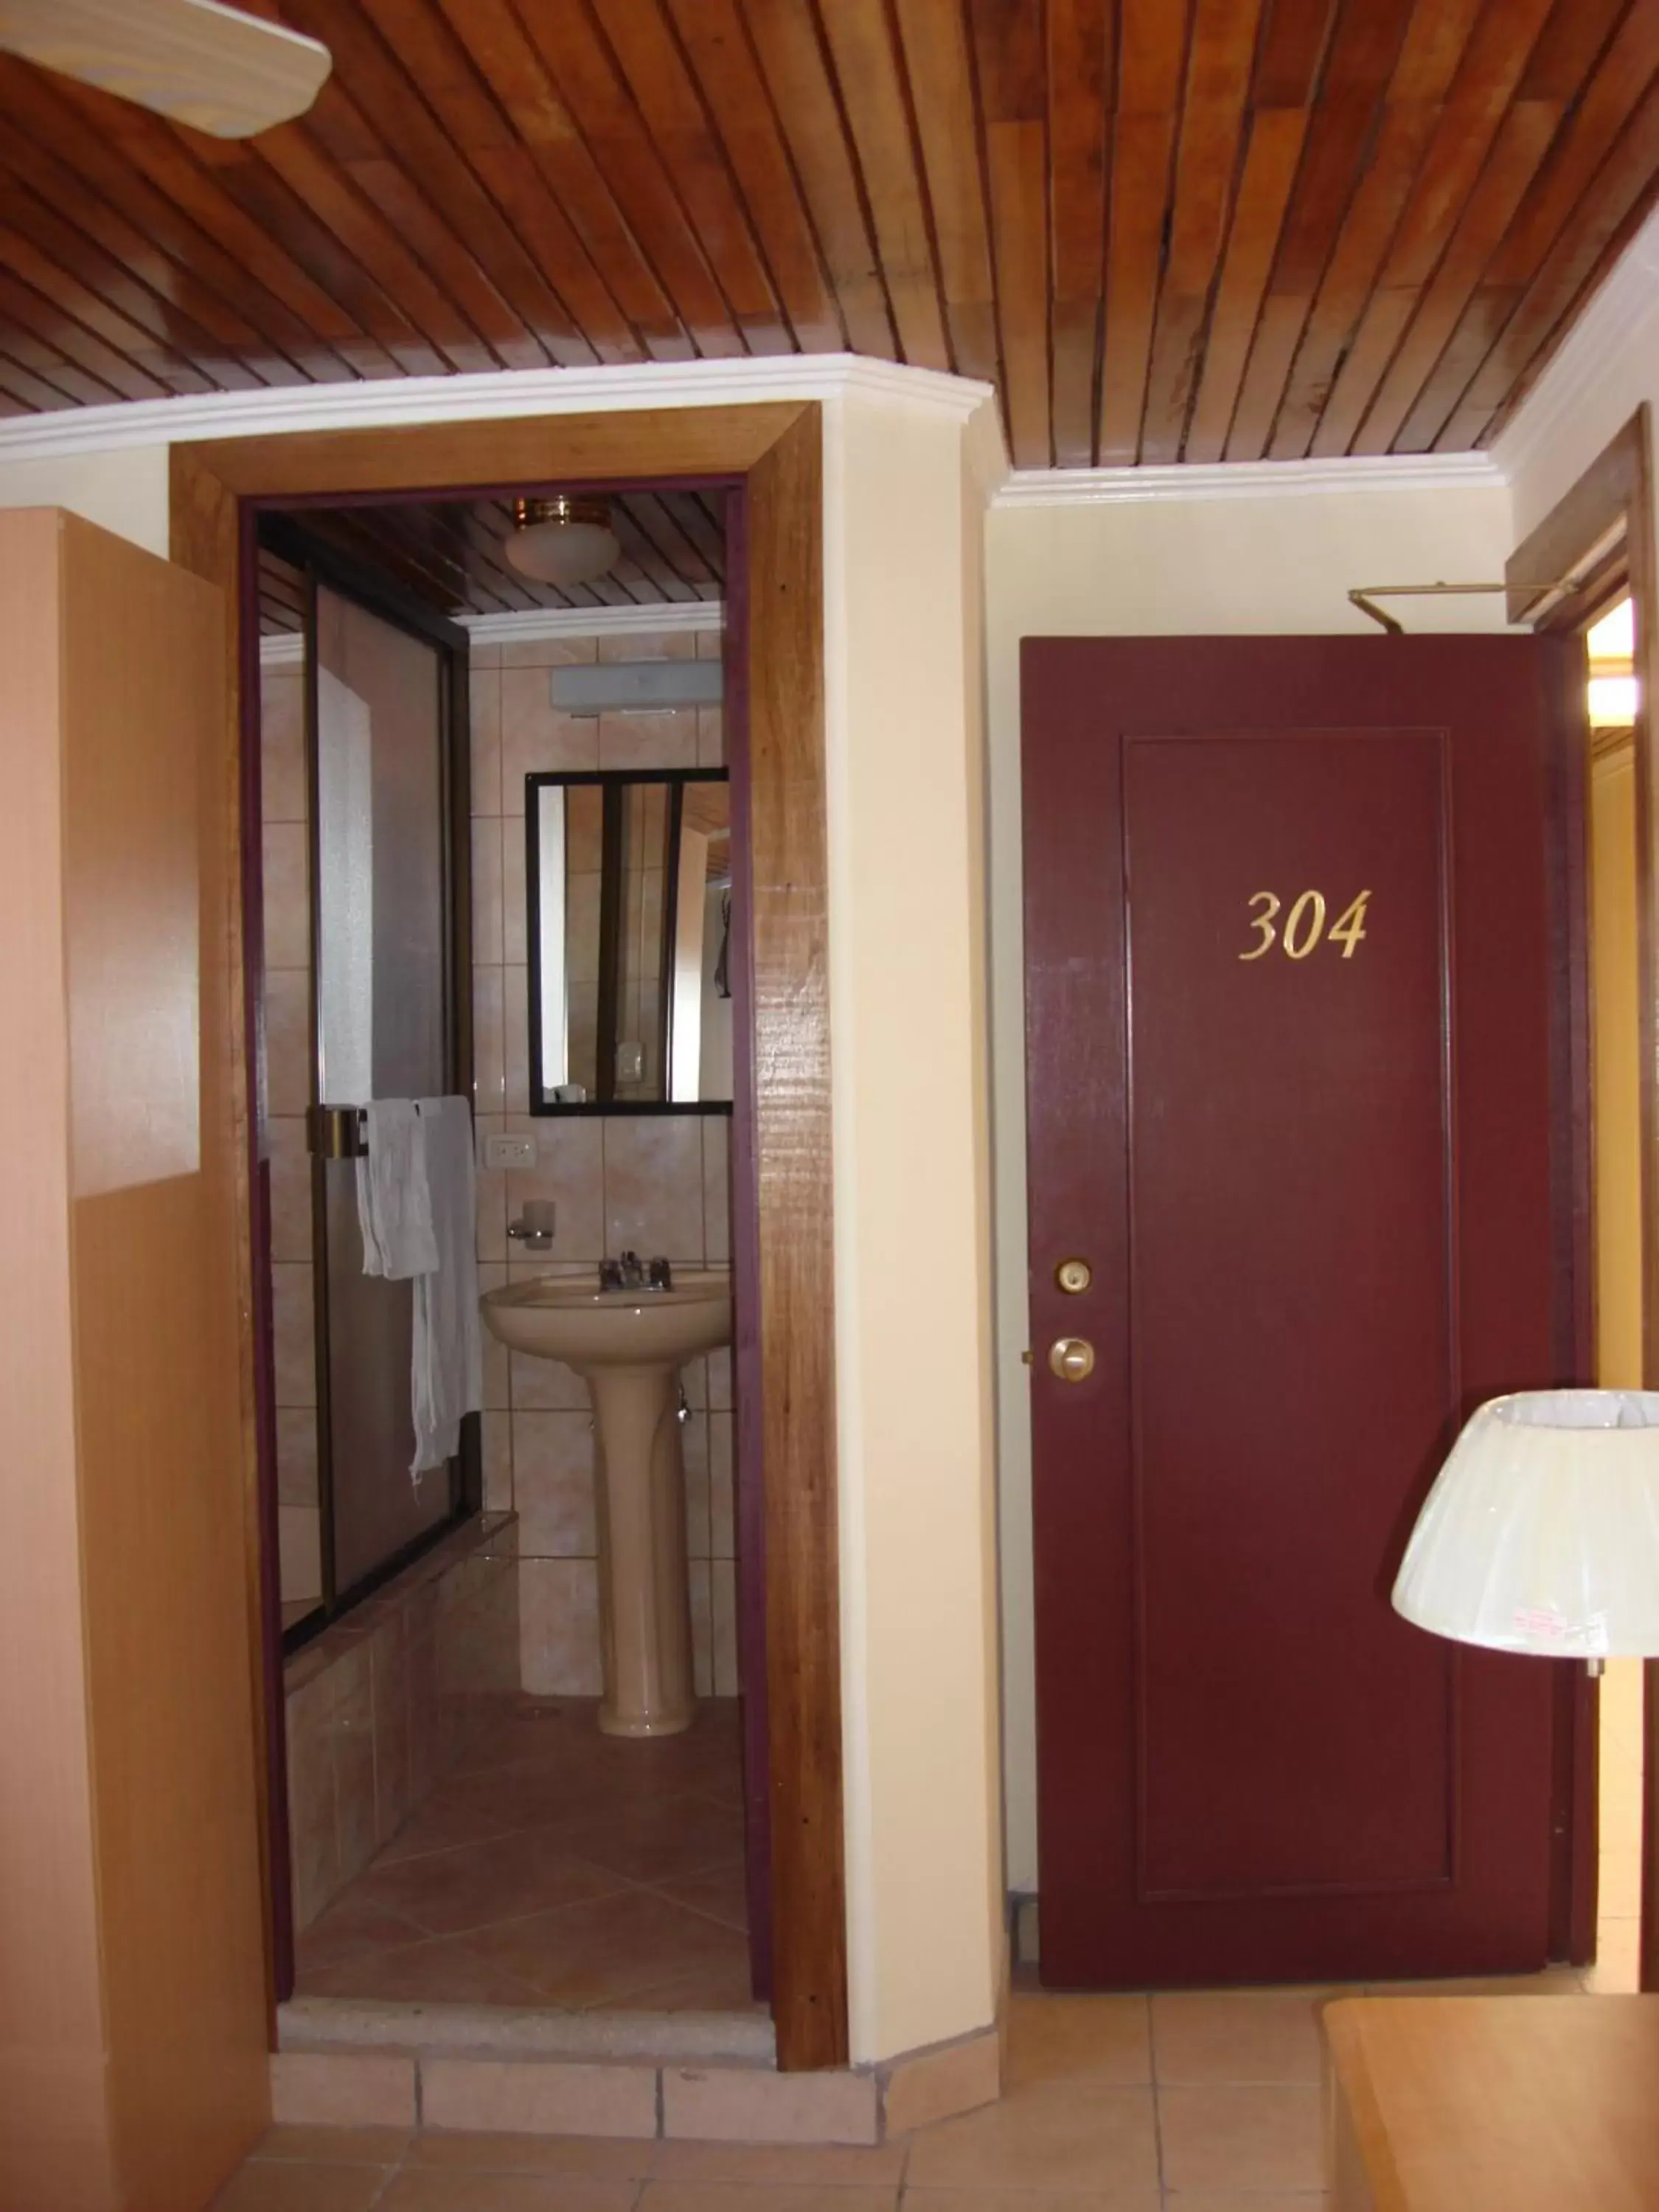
(1304, 926)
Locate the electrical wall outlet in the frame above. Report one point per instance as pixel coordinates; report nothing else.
(509, 1152)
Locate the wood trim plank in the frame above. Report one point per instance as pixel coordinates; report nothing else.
(649, 59)
(1213, 135)
(864, 53)
(787, 51)
(1152, 58)
(714, 39)
(1270, 166)
(933, 45)
(1081, 63)
(582, 67)
(1470, 120)
(1623, 73)
(795, 1175)
(1428, 62)
(1600, 227)
(1522, 141)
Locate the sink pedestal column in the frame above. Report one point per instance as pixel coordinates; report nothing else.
(645, 1596)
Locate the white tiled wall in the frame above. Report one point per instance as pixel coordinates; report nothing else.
(656, 1183)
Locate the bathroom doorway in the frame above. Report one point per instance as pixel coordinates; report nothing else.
(466, 1822)
(771, 457)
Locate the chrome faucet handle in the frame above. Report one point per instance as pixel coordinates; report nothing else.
(662, 1277)
(610, 1275)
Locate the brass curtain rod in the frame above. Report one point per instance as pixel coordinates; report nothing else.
(1362, 597)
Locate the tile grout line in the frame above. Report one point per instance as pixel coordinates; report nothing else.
(1157, 2112)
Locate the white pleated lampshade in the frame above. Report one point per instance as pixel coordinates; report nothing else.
(1541, 1532)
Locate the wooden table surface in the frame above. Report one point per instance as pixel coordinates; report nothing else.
(1533, 2104)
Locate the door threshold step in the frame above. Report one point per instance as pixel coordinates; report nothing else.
(670, 2039)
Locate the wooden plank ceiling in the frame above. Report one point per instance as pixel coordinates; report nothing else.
(449, 554)
(1198, 229)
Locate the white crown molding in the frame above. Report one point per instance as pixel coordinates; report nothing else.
(673, 616)
(506, 392)
(1189, 480)
(286, 648)
(1611, 322)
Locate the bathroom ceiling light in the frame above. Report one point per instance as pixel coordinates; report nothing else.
(563, 541)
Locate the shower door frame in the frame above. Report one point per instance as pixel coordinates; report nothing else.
(768, 459)
(382, 597)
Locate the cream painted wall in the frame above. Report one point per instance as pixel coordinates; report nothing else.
(124, 491)
(912, 1230)
(1183, 565)
(905, 467)
(1602, 376)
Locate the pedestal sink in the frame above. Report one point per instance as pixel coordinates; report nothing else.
(629, 1347)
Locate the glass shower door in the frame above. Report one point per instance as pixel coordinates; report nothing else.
(385, 1028)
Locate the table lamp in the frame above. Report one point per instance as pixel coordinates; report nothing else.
(1541, 1532)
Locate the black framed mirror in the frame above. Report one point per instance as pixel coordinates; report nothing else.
(627, 878)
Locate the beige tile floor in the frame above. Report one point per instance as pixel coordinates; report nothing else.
(1174, 2102)
(555, 1866)
(1170, 2103)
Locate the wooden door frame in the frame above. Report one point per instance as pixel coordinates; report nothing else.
(773, 452)
(1599, 534)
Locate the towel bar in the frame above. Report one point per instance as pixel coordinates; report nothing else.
(337, 1132)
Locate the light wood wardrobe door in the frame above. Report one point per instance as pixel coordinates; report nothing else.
(133, 2061)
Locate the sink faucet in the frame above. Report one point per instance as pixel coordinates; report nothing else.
(630, 1272)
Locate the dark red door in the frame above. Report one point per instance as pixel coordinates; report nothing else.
(1290, 934)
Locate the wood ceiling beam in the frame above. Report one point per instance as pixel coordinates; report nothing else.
(1213, 130)
(1469, 127)
(715, 38)
(874, 92)
(648, 56)
(1359, 65)
(1623, 74)
(787, 44)
(1168, 229)
(1600, 227)
(44, 139)
(943, 109)
(1287, 73)
(1428, 61)
(1011, 73)
(512, 54)
(1152, 68)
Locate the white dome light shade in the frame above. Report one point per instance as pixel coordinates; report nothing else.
(563, 541)
(1541, 1532)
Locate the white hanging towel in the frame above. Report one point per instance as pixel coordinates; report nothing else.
(394, 1205)
(448, 1377)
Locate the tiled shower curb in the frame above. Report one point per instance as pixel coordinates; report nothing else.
(706, 2076)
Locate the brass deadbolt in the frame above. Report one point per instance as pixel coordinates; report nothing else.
(1074, 1276)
